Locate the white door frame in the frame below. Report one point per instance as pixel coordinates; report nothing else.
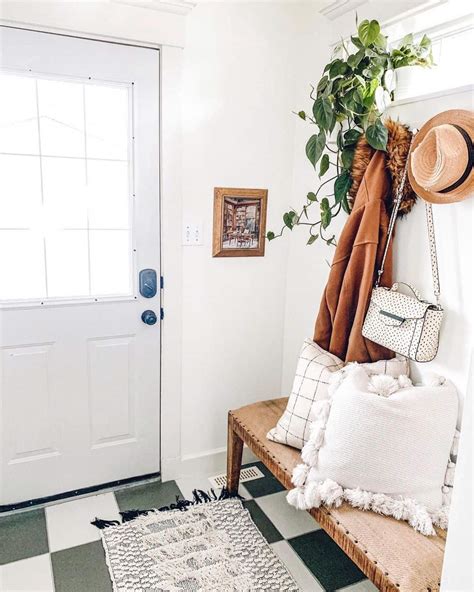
(170, 63)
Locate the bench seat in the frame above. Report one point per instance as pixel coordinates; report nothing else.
(389, 552)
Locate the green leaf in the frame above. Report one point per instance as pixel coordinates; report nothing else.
(357, 42)
(377, 135)
(407, 40)
(352, 136)
(381, 41)
(326, 217)
(270, 235)
(345, 205)
(322, 84)
(355, 59)
(289, 219)
(342, 185)
(324, 204)
(369, 93)
(338, 68)
(324, 165)
(425, 42)
(376, 70)
(347, 155)
(312, 239)
(368, 32)
(324, 113)
(312, 196)
(315, 147)
(302, 114)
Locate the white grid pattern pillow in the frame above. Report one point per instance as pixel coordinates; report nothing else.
(313, 371)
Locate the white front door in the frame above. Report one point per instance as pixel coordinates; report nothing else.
(79, 218)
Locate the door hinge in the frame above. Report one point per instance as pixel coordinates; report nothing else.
(162, 282)
(162, 313)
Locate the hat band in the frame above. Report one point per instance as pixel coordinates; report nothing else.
(470, 160)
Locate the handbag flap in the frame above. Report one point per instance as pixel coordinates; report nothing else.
(396, 307)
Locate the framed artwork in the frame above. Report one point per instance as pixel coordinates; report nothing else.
(239, 222)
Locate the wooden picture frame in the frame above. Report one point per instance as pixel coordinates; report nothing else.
(240, 217)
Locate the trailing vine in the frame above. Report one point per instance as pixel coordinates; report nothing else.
(355, 89)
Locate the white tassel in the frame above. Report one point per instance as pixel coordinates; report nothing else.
(317, 434)
(300, 473)
(382, 504)
(455, 446)
(421, 521)
(320, 410)
(336, 380)
(332, 493)
(398, 508)
(408, 508)
(404, 381)
(440, 517)
(313, 475)
(449, 477)
(296, 498)
(358, 498)
(446, 495)
(432, 379)
(312, 495)
(309, 453)
(383, 385)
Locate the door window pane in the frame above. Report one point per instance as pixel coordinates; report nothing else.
(65, 193)
(109, 194)
(108, 250)
(18, 115)
(61, 115)
(67, 261)
(20, 190)
(107, 121)
(22, 265)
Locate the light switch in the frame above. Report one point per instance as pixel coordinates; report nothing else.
(192, 234)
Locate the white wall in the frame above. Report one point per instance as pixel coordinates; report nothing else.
(238, 95)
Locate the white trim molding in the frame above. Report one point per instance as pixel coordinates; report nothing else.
(335, 8)
(174, 6)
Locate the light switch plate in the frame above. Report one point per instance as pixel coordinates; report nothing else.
(192, 234)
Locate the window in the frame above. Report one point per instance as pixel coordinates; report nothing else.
(65, 188)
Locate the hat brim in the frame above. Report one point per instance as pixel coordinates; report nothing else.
(464, 119)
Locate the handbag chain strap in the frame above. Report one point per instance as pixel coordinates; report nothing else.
(431, 231)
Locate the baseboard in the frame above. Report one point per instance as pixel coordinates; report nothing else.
(209, 463)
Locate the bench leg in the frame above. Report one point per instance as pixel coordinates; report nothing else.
(234, 457)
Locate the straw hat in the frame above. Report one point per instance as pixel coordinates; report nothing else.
(442, 158)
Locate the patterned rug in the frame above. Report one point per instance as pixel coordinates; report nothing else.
(199, 547)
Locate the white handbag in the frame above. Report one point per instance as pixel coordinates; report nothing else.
(407, 325)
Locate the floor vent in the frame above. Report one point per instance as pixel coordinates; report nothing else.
(247, 474)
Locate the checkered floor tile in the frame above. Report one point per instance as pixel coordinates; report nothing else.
(55, 549)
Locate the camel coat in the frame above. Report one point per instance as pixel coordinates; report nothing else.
(357, 258)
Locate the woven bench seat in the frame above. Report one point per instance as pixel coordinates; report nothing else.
(389, 552)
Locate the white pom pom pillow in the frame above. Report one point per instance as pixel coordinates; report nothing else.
(381, 444)
(313, 373)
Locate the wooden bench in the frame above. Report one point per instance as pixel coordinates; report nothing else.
(389, 552)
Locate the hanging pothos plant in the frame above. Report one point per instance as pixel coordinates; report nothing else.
(355, 89)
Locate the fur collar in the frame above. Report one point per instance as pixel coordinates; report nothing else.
(399, 137)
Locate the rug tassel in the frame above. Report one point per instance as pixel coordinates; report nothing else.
(225, 494)
(199, 497)
(104, 523)
(132, 514)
